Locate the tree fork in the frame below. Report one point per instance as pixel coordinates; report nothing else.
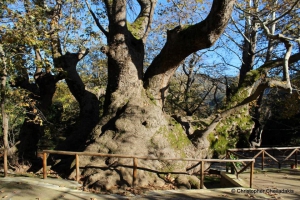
(183, 41)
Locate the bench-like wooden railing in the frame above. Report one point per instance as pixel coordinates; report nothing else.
(135, 163)
(264, 151)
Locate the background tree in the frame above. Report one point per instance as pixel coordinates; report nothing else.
(3, 109)
(194, 87)
(31, 31)
(28, 37)
(261, 46)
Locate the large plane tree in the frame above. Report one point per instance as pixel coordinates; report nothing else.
(133, 121)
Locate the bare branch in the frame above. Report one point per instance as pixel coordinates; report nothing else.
(223, 59)
(199, 104)
(175, 4)
(96, 19)
(244, 36)
(273, 27)
(233, 40)
(184, 70)
(284, 14)
(149, 22)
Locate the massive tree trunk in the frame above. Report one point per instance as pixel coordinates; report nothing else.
(250, 39)
(133, 122)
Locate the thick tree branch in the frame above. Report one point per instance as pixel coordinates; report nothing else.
(116, 16)
(82, 53)
(4, 116)
(288, 46)
(68, 64)
(54, 27)
(249, 46)
(22, 80)
(60, 76)
(69, 27)
(141, 26)
(183, 41)
(38, 61)
(273, 28)
(286, 74)
(279, 62)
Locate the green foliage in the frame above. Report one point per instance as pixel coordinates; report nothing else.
(16, 114)
(251, 77)
(233, 130)
(212, 179)
(176, 136)
(65, 103)
(219, 145)
(62, 115)
(25, 27)
(151, 97)
(237, 164)
(136, 28)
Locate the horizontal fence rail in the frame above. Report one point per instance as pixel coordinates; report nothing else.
(135, 163)
(264, 152)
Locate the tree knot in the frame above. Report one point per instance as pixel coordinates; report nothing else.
(104, 49)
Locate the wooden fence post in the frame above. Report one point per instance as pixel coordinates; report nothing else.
(5, 161)
(251, 173)
(296, 159)
(227, 157)
(44, 165)
(202, 175)
(134, 175)
(77, 167)
(262, 159)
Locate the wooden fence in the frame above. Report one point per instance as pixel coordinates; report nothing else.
(264, 151)
(135, 163)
